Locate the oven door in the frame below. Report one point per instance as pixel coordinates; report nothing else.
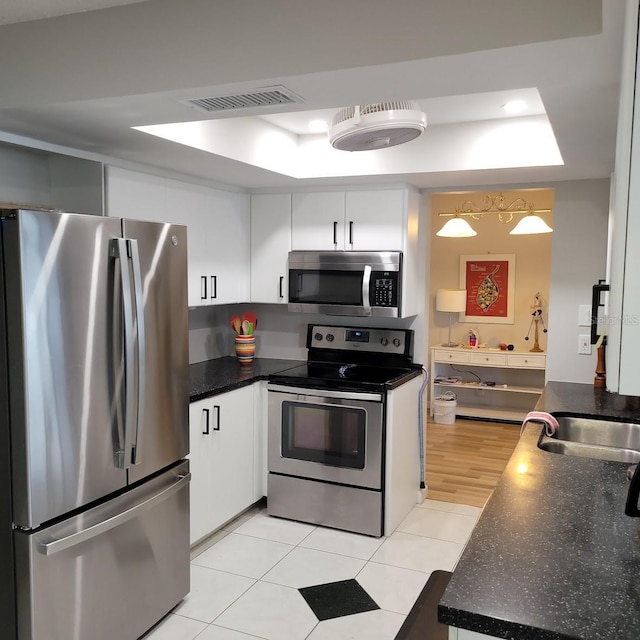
(332, 436)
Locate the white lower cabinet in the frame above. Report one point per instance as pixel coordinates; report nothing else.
(402, 454)
(221, 430)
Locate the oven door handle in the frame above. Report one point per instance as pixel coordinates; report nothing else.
(325, 393)
(366, 284)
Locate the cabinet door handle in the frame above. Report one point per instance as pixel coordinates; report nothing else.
(214, 287)
(216, 407)
(335, 232)
(350, 231)
(203, 287)
(206, 422)
(280, 287)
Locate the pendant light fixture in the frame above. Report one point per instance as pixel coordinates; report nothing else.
(530, 225)
(456, 228)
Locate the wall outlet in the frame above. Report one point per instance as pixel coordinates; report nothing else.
(584, 344)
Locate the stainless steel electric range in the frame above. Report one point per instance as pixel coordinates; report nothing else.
(328, 427)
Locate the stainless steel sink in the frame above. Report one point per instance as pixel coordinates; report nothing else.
(594, 438)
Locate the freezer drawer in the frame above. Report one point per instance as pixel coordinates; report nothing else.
(111, 572)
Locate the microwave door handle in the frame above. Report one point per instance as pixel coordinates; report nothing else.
(136, 447)
(366, 283)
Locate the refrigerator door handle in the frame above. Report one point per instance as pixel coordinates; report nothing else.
(55, 546)
(136, 446)
(121, 253)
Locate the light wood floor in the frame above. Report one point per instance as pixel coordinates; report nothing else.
(464, 460)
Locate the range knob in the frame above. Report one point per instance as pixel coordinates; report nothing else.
(329, 337)
(384, 341)
(318, 337)
(396, 342)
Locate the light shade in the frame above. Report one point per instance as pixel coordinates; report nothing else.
(530, 224)
(456, 228)
(451, 300)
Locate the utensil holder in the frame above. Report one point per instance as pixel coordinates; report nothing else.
(245, 349)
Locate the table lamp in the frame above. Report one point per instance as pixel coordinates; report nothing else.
(451, 301)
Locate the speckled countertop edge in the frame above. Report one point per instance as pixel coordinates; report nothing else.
(220, 375)
(553, 557)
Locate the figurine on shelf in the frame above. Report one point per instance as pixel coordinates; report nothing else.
(536, 317)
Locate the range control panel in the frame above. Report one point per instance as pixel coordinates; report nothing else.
(358, 339)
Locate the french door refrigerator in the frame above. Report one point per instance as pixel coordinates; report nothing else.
(94, 497)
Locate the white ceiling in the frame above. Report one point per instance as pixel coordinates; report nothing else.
(83, 79)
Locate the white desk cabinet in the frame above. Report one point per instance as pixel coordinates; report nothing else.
(221, 433)
(518, 378)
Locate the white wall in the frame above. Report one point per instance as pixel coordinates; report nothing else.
(578, 260)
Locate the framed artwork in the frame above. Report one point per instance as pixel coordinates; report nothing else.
(489, 282)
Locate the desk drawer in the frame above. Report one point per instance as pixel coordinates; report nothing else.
(494, 359)
(524, 361)
(451, 356)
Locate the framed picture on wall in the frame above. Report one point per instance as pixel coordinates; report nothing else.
(489, 281)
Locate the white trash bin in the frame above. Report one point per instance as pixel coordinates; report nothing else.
(444, 408)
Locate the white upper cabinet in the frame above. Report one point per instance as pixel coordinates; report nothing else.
(217, 229)
(270, 246)
(375, 220)
(318, 221)
(351, 221)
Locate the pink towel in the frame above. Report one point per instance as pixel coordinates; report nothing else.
(550, 423)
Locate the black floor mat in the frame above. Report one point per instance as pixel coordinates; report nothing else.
(337, 599)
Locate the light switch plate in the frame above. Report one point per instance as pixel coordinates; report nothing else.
(584, 315)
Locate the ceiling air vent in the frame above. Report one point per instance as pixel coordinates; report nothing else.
(261, 97)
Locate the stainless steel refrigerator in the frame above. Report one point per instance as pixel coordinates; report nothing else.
(94, 504)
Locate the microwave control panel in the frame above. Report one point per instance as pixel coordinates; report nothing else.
(384, 289)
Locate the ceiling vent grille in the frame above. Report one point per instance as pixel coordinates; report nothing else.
(261, 97)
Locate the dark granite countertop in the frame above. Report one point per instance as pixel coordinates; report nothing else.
(553, 556)
(212, 377)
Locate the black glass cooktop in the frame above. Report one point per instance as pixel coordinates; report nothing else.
(343, 376)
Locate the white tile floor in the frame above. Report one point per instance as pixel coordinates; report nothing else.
(245, 579)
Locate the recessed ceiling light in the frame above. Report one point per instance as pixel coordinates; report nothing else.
(318, 126)
(515, 106)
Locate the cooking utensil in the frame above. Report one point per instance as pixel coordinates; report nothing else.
(245, 327)
(252, 318)
(236, 324)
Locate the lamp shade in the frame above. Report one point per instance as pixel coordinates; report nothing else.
(451, 300)
(456, 228)
(530, 224)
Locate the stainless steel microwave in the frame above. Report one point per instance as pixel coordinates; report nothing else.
(346, 283)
